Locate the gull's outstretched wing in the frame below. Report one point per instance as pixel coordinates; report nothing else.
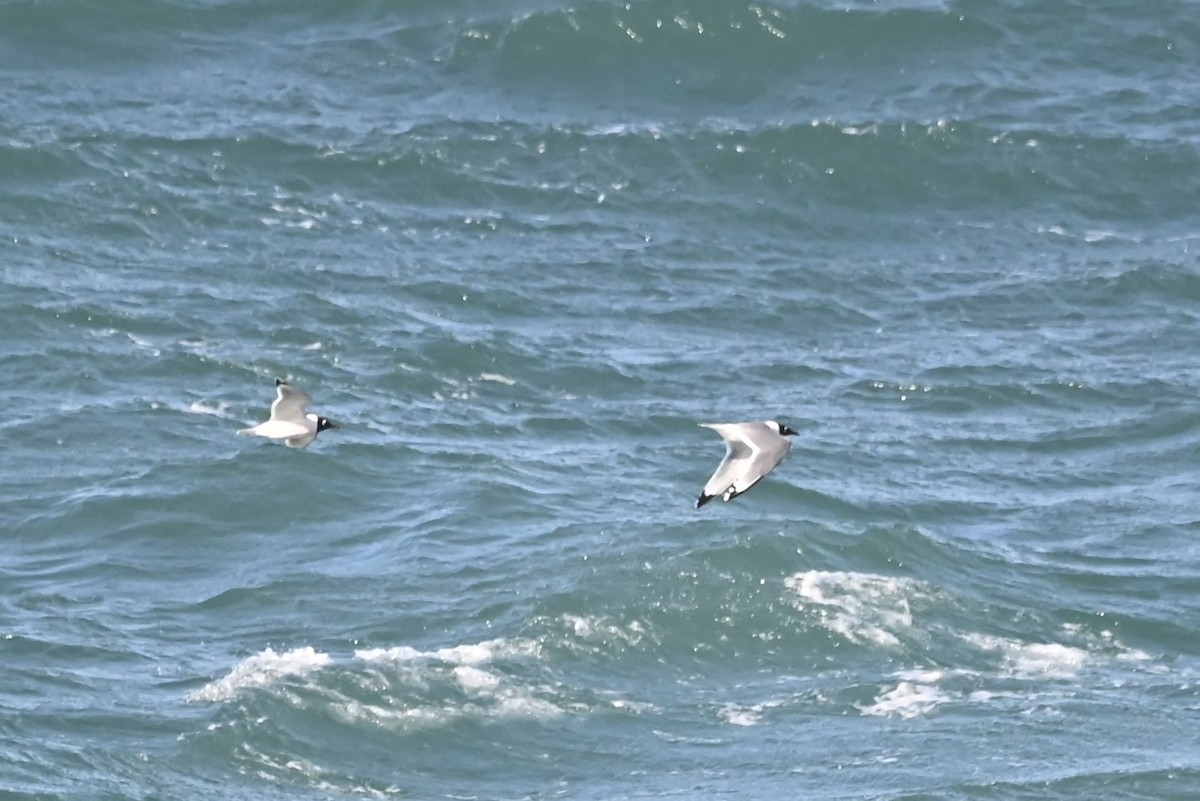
(290, 403)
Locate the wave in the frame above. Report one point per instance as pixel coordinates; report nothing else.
(898, 618)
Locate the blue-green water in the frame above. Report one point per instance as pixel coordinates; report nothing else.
(519, 250)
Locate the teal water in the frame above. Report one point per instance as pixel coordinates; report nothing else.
(519, 250)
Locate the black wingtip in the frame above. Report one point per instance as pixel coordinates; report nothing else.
(279, 382)
(703, 499)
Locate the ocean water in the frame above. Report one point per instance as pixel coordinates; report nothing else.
(519, 249)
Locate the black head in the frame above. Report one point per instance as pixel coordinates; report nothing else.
(324, 423)
(784, 430)
(279, 382)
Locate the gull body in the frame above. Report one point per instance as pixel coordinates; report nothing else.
(751, 451)
(290, 419)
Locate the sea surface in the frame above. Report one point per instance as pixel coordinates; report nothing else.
(519, 249)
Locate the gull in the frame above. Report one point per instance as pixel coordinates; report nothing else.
(751, 451)
(290, 420)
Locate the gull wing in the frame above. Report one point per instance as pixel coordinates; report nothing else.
(290, 403)
(737, 450)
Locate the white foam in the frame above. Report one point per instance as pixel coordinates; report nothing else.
(1048, 660)
(273, 768)
(386, 717)
(907, 700)
(1134, 655)
(220, 410)
(922, 676)
(261, 670)
(861, 607)
(605, 630)
(473, 679)
(523, 704)
(636, 707)
(449, 672)
(582, 626)
(144, 344)
(497, 378)
(401, 653)
(1033, 660)
(1127, 654)
(491, 693)
(740, 715)
(472, 654)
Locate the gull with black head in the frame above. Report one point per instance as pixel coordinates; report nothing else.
(290, 419)
(751, 451)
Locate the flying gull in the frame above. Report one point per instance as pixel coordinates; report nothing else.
(751, 451)
(290, 420)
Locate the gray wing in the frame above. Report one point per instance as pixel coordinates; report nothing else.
(737, 451)
(290, 403)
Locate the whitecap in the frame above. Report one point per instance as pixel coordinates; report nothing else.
(862, 607)
(399, 653)
(198, 407)
(492, 694)
(469, 654)
(144, 344)
(739, 716)
(473, 654)
(261, 670)
(1047, 660)
(602, 630)
(1024, 660)
(907, 700)
(743, 715)
(473, 679)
